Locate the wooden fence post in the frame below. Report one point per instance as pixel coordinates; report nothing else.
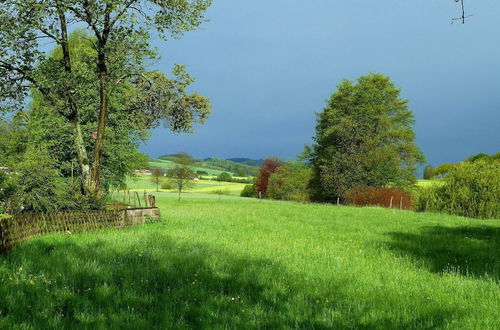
(390, 204)
(138, 198)
(401, 203)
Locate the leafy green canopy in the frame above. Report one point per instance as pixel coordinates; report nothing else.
(119, 32)
(290, 182)
(364, 137)
(469, 189)
(49, 128)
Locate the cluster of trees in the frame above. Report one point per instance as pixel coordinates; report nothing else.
(469, 188)
(364, 137)
(431, 172)
(281, 181)
(226, 165)
(92, 98)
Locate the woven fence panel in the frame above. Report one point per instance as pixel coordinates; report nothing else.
(17, 229)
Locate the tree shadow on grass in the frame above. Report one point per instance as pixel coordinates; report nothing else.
(468, 251)
(155, 282)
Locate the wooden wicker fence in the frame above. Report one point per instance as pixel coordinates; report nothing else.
(18, 229)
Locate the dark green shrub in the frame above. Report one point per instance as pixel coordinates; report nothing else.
(290, 182)
(249, 191)
(470, 190)
(383, 197)
(428, 172)
(7, 189)
(70, 197)
(166, 186)
(224, 176)
(443, 169)
(36, 178)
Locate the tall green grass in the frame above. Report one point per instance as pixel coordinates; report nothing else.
(240, 263)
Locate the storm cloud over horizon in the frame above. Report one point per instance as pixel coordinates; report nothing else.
(268, 66)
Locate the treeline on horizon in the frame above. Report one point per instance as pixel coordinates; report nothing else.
(242, 168)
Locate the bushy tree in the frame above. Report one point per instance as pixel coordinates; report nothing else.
(428, 172)
(120, 31)
(469, 189)
(241, 172)
(181, 175)
(13, 139)
(443, 169)
(48, 128)
(36, 181)
(477, 157)
(249, 191)
(290, 182)
(364, 137)
(269, 167)
(7, 189)
(224, 176)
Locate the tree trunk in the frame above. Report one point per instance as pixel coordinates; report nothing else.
(101, 127)
(81, 152)
(73, 114)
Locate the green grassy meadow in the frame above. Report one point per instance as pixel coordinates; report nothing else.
(167, 164)
(200, 187)
(240, 263)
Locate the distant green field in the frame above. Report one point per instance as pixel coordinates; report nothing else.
(241, 263)
(166, 164)
(143, 182)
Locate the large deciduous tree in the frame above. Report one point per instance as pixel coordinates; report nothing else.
(117, 27)
(364, 137)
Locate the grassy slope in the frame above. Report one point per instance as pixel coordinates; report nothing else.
(143, 182)
(240, 263)
(166, 164)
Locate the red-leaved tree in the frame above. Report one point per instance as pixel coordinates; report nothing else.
(269, 167)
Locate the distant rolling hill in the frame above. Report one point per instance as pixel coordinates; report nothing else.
(248, 161)
(214, 166)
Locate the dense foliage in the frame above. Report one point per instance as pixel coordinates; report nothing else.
(37, 189)
(224, 176)
(7, 189)
(290, 182)
(470, 189)
(364, 137)
(428, 172)
(445, 168)
(119, 32)
(249, 191)
(269, 167)
(49, 128)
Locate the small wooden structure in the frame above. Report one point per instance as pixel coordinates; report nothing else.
(17, 229)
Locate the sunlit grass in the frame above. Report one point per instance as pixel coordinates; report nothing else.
(243, 263)
(144, 183)
(166, 164)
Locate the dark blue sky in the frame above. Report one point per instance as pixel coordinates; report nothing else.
(269, 65)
